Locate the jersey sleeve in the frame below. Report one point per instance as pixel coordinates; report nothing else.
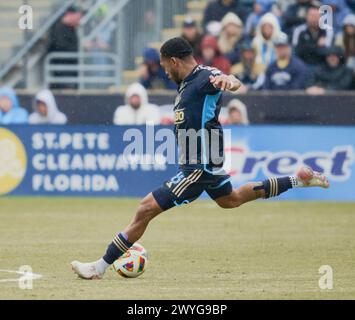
(205, 85)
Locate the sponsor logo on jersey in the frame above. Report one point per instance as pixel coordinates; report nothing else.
(179, 116)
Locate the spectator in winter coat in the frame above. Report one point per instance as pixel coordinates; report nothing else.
(333, 75)
(152, 75)
(237, 112)
(267, 30)
(309, 40)
(137, 110)
(259, 9)
(248, 71)
(63, 38)
(287, 72)
(230, 37)
(346, 40)
(211, 56)
(10, 110)
(295, 14)
(191, 34)
(217, 9)
(46, 110)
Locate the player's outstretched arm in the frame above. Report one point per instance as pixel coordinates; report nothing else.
(226, 82)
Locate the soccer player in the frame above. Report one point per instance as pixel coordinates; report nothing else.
(197, 107)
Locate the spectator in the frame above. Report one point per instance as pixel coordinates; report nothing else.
(346, 40)
(259, 9)
(333, 75)
(191, 34)
(267, 30)
(63, 38)
(137, 109)
(217, 9)
(237, 112)
(248, 71)
(211, 56)
(230, 37)
(10, 110)
(46, 110)
(340, 11)
(310, 40)
(295, 14)
(153, 75)
(287, 72)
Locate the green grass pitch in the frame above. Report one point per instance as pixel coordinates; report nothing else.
(263, 250)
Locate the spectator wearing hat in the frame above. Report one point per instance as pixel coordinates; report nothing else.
(309, 40)
(267, 31)
(137, 109)
(346, 40)
(248, 71)
(11, 112)
(333, 75)
(231, 37)
(237, 112)
(152, 75)
(287, 72)
(211, 55)
(192, 35)
(46, 110)
(260, 7)
(217, 9)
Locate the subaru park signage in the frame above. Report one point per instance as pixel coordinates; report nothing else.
(93, 160)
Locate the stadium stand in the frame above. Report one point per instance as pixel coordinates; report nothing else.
(113, 35)
(194, 9)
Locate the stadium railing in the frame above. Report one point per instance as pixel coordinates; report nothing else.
(126, 26)
(87, 69)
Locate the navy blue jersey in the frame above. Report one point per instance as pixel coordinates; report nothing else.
(198, 132)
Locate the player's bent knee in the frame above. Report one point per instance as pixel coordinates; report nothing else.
(228, 205)
(229, 202)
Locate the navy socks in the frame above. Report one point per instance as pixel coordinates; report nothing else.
(275, 186)
(117, 248)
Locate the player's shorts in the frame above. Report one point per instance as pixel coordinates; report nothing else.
(188, 184)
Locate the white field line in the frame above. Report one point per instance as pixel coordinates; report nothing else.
(24, 276)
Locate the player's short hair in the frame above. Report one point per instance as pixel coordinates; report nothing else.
(176, 47)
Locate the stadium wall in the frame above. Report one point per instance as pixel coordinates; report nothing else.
(278, 108)
(89, 160)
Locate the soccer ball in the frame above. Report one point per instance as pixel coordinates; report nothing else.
(132, 263)
(139, 248)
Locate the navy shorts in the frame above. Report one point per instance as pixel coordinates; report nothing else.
(188, 184)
